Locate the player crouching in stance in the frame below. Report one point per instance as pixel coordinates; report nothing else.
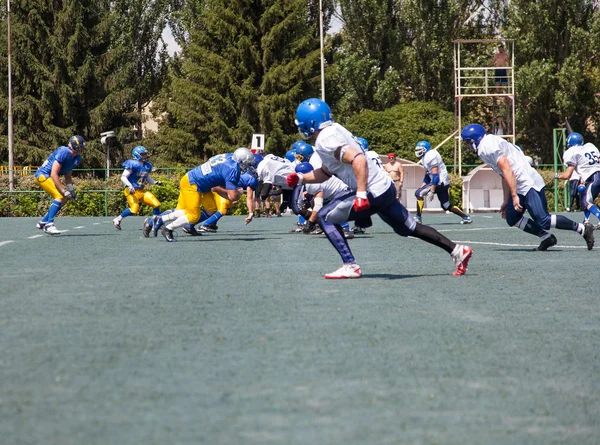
(371, 190)
(60, 163)
(435, 182)
(136, 175)
(195, 189)
(523, 188)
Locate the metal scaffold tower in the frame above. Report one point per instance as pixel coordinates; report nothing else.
(487, 81)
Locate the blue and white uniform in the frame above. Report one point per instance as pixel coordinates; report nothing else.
(273, 170)
(586, 160)
(139, 173)
(218, 171)
(529, 187)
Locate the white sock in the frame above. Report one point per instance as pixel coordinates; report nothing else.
(179, 222)
(173, 215)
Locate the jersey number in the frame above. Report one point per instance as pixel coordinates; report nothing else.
(593, 158)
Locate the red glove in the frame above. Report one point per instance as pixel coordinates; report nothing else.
(293, 179)
(361, 202)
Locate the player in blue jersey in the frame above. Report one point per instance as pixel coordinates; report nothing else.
(209, 217)
(60, 163)
(195, 189)
(136, 174)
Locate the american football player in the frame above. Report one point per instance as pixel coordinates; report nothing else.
(136, 174)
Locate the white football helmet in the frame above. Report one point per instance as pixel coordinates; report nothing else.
(244, 157)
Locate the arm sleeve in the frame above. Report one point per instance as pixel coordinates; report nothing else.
(125, 178)
(435, 179)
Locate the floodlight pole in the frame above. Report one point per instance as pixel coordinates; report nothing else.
(322, 55)
(11, 160)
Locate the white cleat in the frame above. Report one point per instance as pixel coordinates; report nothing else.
(467, 220)
(117, 223)
(348, 270)
(51, 229)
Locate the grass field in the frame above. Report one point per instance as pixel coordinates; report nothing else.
(235, 337)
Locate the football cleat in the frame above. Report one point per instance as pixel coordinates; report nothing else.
(348, 270)
(207, 229)
(168, 234)
(461, 259)
(191, 230)
(157, 224)
(348, 234)
(213, 226)
(547, 243)
(117, 223)
(51, 229)
(467, 220)
(147, 228)
(588, 236)
(40, 225)
(358, 230)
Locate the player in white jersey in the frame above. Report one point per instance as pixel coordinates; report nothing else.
(523, 188)
(585, 160)
(370, 190)
(272, 171)
(435, 182)
(310, 198)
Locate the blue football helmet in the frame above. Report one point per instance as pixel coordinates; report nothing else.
(312, 115)
(77, 143)
(303, 150)
(422, 148)
(472, 135)
(574, 139)
(138, 152)
(291, 155)
(244, 157)
(304, 167)
(363, 142)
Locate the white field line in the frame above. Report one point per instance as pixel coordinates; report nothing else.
(3, 243)
(476, 229)
(34, 236)
(96, 224)
(516, 245)
(79, 227)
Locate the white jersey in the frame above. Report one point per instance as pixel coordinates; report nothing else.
(315, 161)
(433, 159)
(273, 170)
(492, 148)
(329, 188)
(585, 159)
(333, 137)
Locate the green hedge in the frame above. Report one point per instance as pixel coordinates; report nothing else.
(29, 200)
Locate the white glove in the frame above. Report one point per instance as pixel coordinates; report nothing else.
(430, 195)
(131, 189)
(71, 189)
(67, 194)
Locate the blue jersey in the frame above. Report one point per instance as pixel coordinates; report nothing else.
(248, 180)
(218, 171)
(139, 172)
(64, 157)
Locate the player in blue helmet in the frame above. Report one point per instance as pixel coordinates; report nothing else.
(136, 174)
(221, 173)
(436, 182)
(523, 189)
(585, 161)
(61, 162)
(574, 139)
(312, 115)
(370, 191)
(303, 150)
